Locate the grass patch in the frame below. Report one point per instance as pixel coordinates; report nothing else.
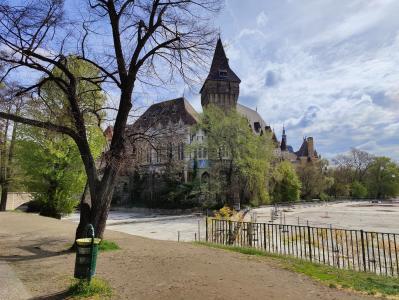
(106, 245)
(369, 283)
(96, 289)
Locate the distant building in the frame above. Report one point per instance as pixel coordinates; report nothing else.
(306, 152)
(163, 132)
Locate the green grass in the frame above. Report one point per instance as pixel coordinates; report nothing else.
(106, 245)
(371, 284)
(96, 289)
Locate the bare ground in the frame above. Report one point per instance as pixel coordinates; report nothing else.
(148, 269)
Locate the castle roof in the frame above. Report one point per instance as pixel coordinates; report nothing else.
(303, 151)
(253, 117)
(220, 69)
(167, 111)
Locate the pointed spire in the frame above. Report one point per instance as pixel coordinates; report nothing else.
(220, 69)
(283, 145)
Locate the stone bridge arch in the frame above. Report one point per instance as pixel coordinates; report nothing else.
(15, 200)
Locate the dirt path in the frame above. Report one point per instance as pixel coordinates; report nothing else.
(147, 269)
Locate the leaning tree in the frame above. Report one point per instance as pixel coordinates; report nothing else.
(130, 42)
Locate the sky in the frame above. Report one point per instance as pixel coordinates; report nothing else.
(323, 68)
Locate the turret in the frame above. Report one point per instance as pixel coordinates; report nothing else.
(283, 145)
(222, 86)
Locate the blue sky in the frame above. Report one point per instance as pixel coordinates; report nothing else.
(324, 68)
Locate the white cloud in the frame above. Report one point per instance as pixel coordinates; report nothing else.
(341, 57)
(261, 19)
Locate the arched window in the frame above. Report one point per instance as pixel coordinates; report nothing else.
(170, 151)
(205, 177)
(134, 152)
(149, 155)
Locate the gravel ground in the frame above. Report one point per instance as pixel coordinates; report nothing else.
(381, 217)
(144, 268)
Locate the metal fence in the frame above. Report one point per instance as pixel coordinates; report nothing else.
(357, 250)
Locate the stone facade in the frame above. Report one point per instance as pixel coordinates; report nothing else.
(163, 138)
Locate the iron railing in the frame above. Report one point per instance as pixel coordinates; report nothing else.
(357, 250)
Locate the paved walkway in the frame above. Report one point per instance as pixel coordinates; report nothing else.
(11, 288)
(147, 269)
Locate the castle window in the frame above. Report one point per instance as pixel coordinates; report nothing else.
(199, 153)
(159, 155)
(134, 152)
(223, 73)
(149, 155)
(170, 150)
(180, 151)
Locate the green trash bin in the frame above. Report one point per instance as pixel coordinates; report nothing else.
(86, 257)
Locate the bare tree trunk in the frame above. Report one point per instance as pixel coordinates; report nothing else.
(4, 192)
(3, 167)
(84, 208)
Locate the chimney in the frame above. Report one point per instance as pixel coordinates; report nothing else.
(310, 147)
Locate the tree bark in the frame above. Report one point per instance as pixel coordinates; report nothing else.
(4, 193)
(3, 167)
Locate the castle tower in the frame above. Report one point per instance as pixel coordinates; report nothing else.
(283, 145)
(222, 86)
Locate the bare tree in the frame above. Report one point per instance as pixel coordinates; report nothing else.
(149, 43)
(354, 165)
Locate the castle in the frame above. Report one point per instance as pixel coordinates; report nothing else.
(163, 132)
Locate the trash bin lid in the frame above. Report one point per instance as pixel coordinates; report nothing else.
(87, 241)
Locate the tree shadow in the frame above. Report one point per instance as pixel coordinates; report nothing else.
(36, 251)
(55, 296)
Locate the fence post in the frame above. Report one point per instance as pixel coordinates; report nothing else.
(206, 226)
(264, 236)
(230, 240)
(249, 233)
(199, 230)
(363, 251)
(310, 244)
